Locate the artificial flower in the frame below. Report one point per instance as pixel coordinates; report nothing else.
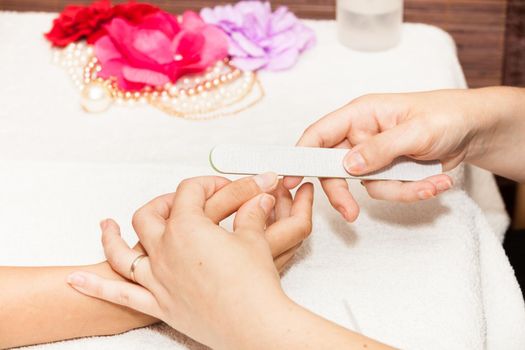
(158, 49)
(258, 38)
(78, 22)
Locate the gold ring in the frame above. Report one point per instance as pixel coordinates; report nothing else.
(134, 265)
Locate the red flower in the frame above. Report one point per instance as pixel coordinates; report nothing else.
(86, 22)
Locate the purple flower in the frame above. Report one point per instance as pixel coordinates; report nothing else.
(258, 38)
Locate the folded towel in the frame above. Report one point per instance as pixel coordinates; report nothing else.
(430, 275)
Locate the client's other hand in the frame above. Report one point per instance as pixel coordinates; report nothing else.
(198, 277)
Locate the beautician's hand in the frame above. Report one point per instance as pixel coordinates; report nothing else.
(447, 125)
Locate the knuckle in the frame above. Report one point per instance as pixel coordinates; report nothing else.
(281, 191)
(113, 260)
(306, 228)
(373, 193)
(255, 215)
(136, 219)
(312, 136)
(303, 228)
(241, 191)
(190, 182)
(123, 297)
(106, 239)
(99, 290)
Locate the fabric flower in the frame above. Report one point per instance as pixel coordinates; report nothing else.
(258, 38)
(78, 22)
(158, 49)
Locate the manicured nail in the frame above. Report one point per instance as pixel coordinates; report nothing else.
(266, 181)
(425, 194)
(442, 186)
(267, 202)
(76, 279)
(354, 162)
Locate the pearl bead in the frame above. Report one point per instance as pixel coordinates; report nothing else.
(95, 98)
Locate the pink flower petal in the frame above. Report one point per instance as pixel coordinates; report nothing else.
(105, 50)
(162, 21)
(144, 76)
(191, 21)
(154, 44)
(122, 34)
(216, 47)
(113, 69)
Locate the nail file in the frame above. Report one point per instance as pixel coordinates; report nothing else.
(310, 162)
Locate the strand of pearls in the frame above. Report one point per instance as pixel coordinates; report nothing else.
(192, 96)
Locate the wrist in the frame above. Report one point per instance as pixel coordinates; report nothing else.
(262, 325)
(492, 120)
(484, 112)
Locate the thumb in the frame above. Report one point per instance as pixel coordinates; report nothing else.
(252, 215)
(381, 149)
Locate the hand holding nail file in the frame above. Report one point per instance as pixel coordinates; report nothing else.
(310, 162)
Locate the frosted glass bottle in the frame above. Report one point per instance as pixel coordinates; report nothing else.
(369, 25)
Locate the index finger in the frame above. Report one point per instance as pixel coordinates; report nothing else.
(192, 194)
(327, 132)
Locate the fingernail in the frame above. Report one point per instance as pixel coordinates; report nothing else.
(103, 224)
(442, 186)
(267, 202)
(266, 181)
(426, 194)
(354, 162)
(343, 213)
(76, 279)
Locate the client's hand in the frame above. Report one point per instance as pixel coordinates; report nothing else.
(381, 127)
(198, 277)
(283, 241)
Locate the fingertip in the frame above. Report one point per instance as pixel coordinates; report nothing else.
(103, 224)
(76, 279)
(349, 213)
(307, 188)
(441, 182)
(354, 163)
(267, 202)
(267, 182)
(112, 224)
(290, 182)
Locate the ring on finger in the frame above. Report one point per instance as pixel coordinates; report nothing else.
(134, 265)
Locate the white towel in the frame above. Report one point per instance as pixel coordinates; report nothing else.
(430, 275)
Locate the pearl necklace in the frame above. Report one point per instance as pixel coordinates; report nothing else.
(220, 90)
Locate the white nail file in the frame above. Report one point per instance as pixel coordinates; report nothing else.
(310, 162)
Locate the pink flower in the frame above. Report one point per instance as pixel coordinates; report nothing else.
(158, 49)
